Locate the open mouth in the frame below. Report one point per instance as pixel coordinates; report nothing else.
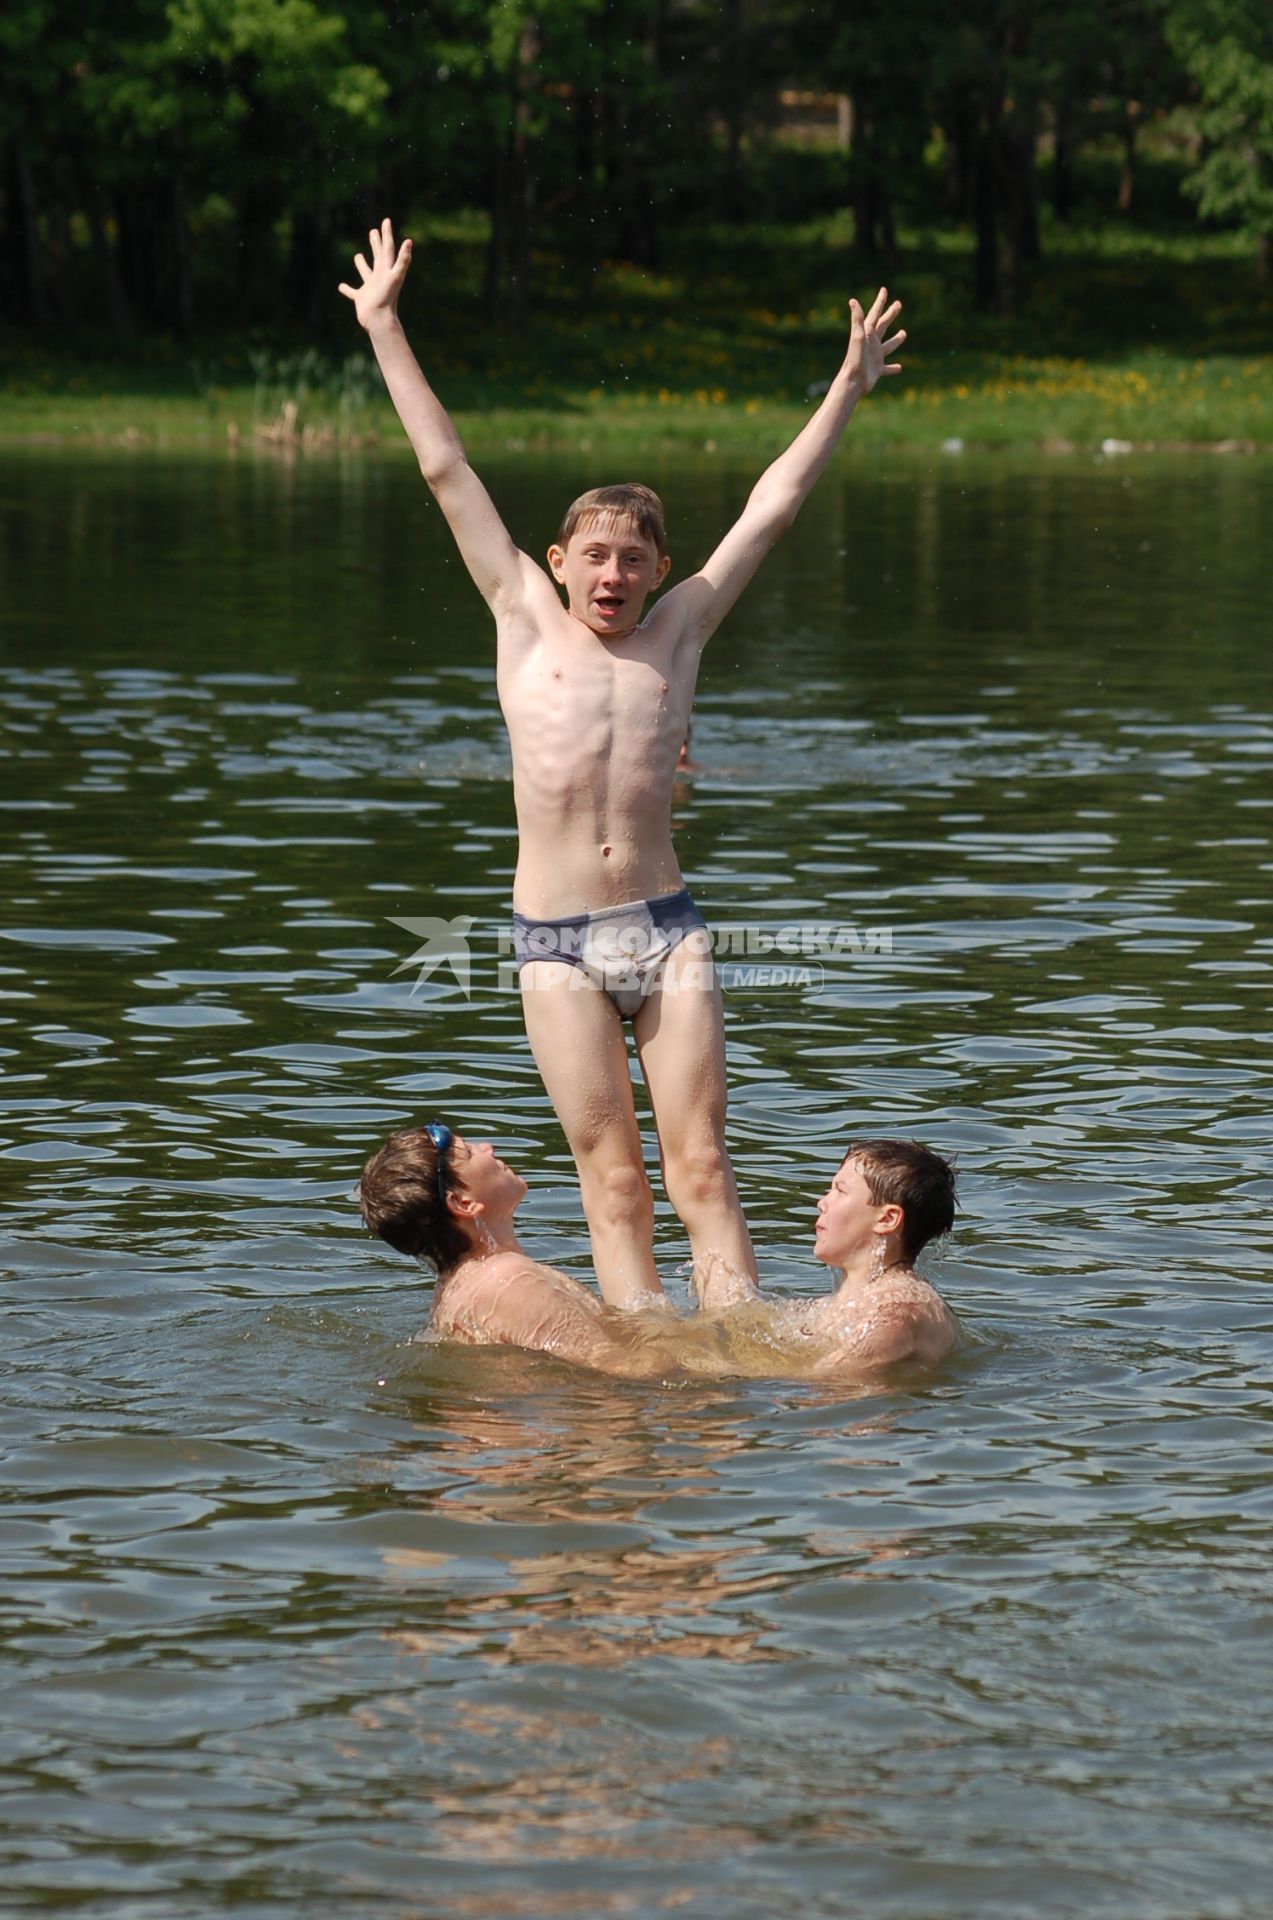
(607, 603)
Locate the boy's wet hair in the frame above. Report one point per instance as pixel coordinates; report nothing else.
(639, 506)
(909, 1175)
(398, 1199)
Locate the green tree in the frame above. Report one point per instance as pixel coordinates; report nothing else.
(886, 70)
(1105, 68)
(50, 159)
(990, 73)
(578, 108)
(1226, 47)
(266, 97)
(129, 114)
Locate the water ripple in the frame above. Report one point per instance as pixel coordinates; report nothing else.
(298, 1610)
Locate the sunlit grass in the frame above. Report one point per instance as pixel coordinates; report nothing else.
(981, 400)
(1144, 336)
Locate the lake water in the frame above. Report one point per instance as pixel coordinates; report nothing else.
(301, 1619)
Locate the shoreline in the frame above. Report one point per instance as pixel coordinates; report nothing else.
(1047, 448)
(485, 442)
(1159, 405)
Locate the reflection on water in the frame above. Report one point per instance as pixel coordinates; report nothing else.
(300, 1617)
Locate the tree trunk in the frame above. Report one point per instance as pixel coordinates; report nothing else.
(587, 122)
(1022, 187)
(114, 299)
(862, 196)
(153, 253)
(985, 193)
(27, 255)
(874, 233)
(308, 273)
(733, 107)
(961, 165)
(508, 253)
(1062, 174)
(888, 226)
(525, 154)
(59, 251)
(1127, 179)
(182, 265)
(497, 239)
(735, 199)
(636, 229)
(256, 248)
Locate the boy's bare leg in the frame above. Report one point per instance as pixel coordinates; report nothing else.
(680, 1036)
(577, 1039)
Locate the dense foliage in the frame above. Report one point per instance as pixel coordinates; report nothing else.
(171, 164)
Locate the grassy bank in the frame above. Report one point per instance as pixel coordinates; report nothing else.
(1159, 400)
(1121, 335)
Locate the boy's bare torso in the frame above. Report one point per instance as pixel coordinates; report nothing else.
(508, 1299)
(595, 724)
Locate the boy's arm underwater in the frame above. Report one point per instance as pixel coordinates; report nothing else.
(706, 597)
(500, 571)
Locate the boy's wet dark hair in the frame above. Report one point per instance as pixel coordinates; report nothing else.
(399, 1200)
(631, 501)
(909, 1175)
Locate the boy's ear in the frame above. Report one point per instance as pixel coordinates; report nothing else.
(891, 1217)
(660, 572)
(556, 561)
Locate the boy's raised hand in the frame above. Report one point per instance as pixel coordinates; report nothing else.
(868, 349)
(377, 297)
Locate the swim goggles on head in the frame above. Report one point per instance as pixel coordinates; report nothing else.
(442, 1138)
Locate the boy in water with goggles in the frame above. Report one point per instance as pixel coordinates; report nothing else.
(597, 702)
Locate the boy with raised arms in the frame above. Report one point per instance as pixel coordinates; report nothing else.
(596, 695)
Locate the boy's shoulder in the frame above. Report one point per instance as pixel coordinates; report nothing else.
(900, 1318)
(508, 1299)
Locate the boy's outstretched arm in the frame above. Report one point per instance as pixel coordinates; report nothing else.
(707, 596)
(485, 546)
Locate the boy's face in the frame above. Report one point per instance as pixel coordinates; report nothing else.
(608, 569)
(486, 1177)
(848, 1217)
